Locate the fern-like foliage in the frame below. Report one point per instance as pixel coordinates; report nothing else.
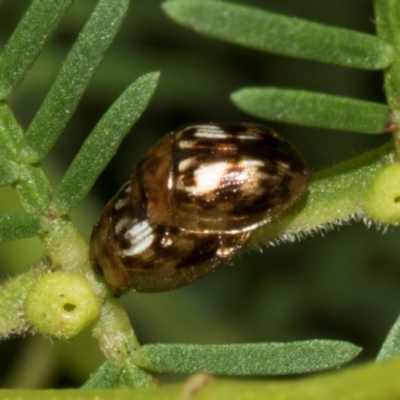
(364, 188)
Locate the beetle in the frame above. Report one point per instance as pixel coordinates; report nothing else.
(192, 202)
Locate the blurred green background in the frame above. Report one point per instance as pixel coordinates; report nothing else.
(342, 285)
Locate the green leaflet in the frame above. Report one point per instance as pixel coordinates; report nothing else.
(9, 172)
(27, 42)
(74, 77)
(102, 144)
(294, 37)
(250, 358)
(19, 225)
(391, 347)
(315, 109)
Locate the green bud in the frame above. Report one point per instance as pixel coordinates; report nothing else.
(383, 198)
(62, 305)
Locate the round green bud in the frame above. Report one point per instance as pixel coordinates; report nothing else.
(62, 305)
(383, 198)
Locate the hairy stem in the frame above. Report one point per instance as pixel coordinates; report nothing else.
(387, 16)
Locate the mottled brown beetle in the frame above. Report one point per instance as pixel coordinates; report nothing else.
(192, 202)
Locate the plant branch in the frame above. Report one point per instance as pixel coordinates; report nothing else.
(387, 17)
(335, 195)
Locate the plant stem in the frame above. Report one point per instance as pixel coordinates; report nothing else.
(387, 17)
(62, 242)
(118, 342)
(336, 194)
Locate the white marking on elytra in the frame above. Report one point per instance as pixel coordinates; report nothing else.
(246, 172)
(250, 164)
(141, 238)
(170, 182)
(208, 177)
(252, 172)
(283, 165)
(124, 200)
(211, 176)
(212, 134)
(187, 144)
(186, 164)
(247, 137)
(121, 224)
(238, 175)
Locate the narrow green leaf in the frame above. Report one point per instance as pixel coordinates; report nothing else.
(391, 347)
(27, 42)
(19, 225)
(106, 376)
(9, 172)
(249, 359)
(11, 134)
(74, 77)
(294, 37)
(314, 109)
(103, 142)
